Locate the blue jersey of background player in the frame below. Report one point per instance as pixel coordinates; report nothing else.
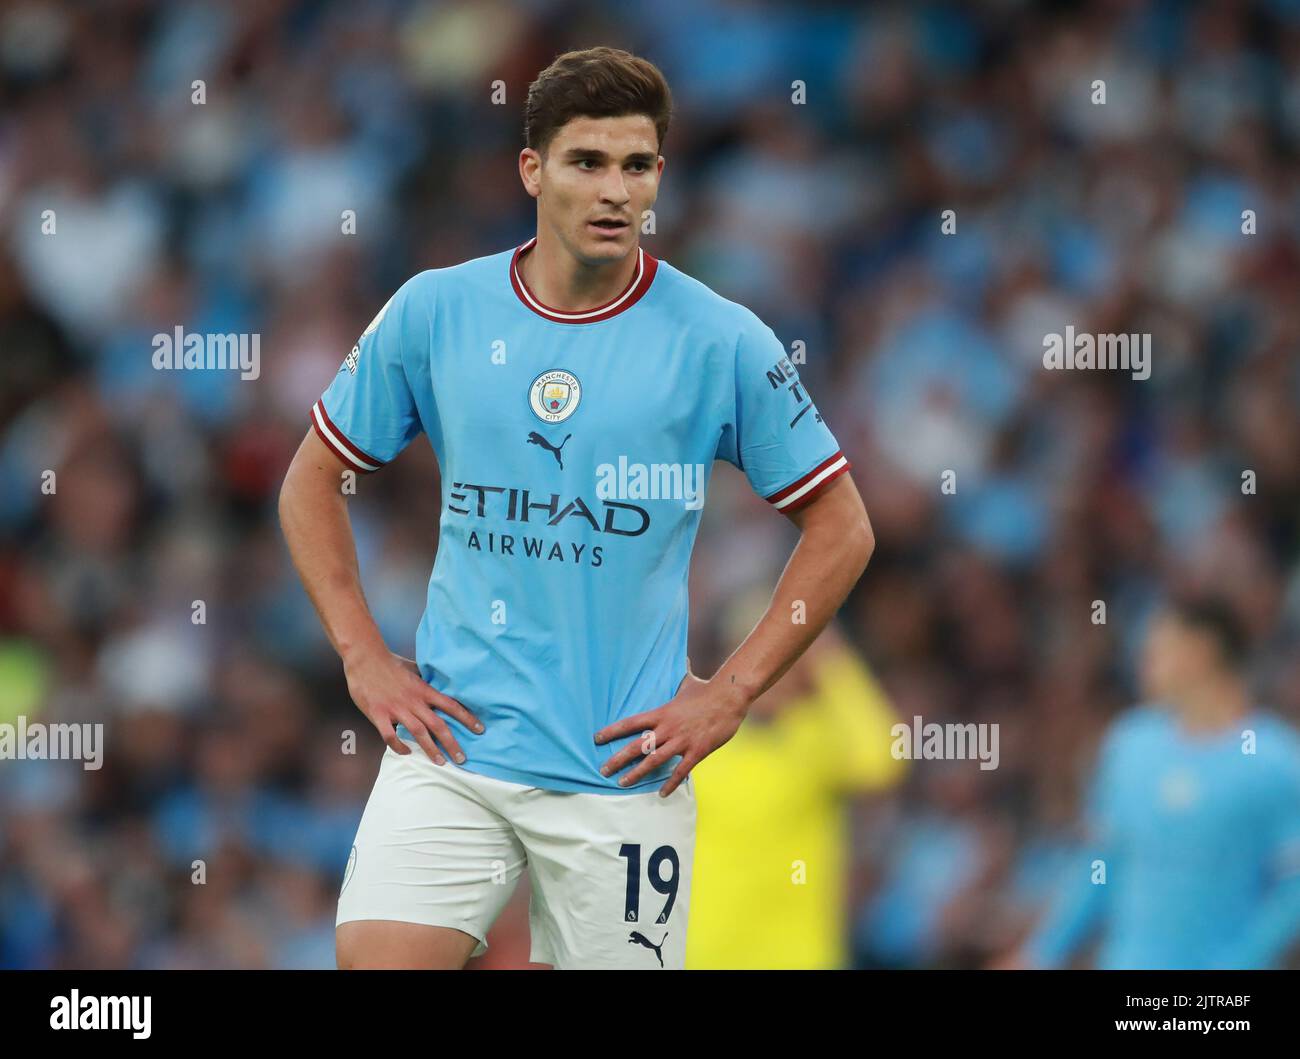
(576, 450)
(1193, 852)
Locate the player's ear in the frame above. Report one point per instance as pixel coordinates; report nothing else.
(530, 171)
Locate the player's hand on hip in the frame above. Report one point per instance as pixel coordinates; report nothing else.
(389, 690)
(698, 719)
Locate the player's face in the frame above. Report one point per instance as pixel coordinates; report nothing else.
(1160, 659)
(1175, 659)
(597, 170)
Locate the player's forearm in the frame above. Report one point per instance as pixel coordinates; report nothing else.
(1075, 912)
(832, 552)
(314, 518)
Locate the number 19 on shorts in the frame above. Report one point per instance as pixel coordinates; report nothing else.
(664, 855)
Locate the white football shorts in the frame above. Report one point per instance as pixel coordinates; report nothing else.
(610, 873)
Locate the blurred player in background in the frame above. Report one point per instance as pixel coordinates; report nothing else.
(1192, 857)
(772, 850)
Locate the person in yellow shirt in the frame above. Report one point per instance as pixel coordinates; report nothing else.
(772, 844)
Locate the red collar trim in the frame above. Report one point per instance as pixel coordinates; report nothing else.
(639, 284)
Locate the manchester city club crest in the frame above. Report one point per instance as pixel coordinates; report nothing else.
(554, 396)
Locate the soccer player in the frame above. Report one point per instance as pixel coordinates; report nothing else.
(576, 392)
(1194, 818)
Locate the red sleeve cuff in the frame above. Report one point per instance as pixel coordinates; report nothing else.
(338, 443)
(805, 489)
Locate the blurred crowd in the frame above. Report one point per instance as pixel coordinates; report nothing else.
(192, 163)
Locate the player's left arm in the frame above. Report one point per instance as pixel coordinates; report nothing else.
(1273, 926)
(1272, 929)
(835, 543)
(773, 432)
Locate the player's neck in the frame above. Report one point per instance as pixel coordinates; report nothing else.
(560, 281)
(1213, 707)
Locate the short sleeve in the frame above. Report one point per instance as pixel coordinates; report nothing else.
(777, 436)
(368, 414)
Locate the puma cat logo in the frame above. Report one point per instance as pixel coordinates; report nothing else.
(535, 438)
(637, 938)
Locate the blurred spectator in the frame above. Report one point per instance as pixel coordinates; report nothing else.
(772, 849)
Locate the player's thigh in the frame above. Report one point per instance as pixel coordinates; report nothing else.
(431, 851)
(372, 944)
(611, 877)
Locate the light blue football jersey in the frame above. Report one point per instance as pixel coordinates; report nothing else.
(575, 451)
(1199, 836)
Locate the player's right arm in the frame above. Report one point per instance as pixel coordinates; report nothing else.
(1080, 905)
(386, 687)
(362, 421)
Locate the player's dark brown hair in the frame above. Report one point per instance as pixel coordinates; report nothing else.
(595, 83)
(1215, 617)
